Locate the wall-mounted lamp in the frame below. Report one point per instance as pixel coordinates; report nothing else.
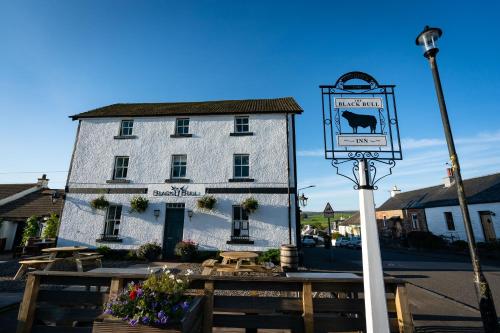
(492, 213)
(55, 195)
(190, 214)
(156, 213)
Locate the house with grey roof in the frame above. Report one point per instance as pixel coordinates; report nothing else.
(437, 210)
(174, 154)
(20, 201)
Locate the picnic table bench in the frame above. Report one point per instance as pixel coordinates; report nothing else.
(39, 262)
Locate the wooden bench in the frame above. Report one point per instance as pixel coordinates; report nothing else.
(92, 258)
(208, 266)
(39, 262)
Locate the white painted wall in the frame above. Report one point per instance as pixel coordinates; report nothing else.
(209, 164)
(437, 222)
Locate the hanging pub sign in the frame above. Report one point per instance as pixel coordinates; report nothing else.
(360, 120)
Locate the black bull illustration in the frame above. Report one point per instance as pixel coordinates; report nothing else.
(356, 120)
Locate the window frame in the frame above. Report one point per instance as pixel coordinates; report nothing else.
(414, 221)
(116, 221)
(236, 118)
(131, 128)
(122, 167)
(177, 126)
(242, 221)
(173, 166)
(241, 166)
(448, 218)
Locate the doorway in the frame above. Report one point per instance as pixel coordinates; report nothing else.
(488, 227)
(174, 227)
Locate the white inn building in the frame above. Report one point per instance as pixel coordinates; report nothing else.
(173, 154)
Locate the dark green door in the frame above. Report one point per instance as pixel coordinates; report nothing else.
(174, 226)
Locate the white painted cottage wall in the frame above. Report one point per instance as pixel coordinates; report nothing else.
(209, 164)
(437, 223)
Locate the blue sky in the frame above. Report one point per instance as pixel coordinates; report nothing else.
(63, 57)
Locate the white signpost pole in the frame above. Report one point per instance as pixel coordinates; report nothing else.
(377, 320)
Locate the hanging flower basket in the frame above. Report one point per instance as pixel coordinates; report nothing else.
(99, 203)
(250, 204)
(206, 202)
(154, 306)
(138, 204)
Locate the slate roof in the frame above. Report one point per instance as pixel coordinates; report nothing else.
(6, 190)
(485, 189)
(275, 105)
(352, 220)
(37, 203)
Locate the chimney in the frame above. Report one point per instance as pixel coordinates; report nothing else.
(448, 180)
(395, 190)
(43, 182)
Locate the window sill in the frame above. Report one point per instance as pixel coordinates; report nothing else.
(124, 137)
(181, 135)
(237, 240)
(178, 180)
(109, 239)
(241, 180)
(241, 134)
(118, 181)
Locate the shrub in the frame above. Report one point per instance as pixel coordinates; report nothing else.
(204, 255)
(425, 240)
(206, 202)
(158, 301)
(149, 251)
(138, 204)
(104, 250)
(31, 228)
(250, 204)
(271, 255)
(459, 245)
(336, 235)
(51, 226)
(99, 203)
(186, 250)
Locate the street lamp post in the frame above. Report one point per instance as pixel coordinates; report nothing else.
(428, 40)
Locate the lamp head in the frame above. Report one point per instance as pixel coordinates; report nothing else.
(427, 39)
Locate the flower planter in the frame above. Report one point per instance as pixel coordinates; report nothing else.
(192, 322)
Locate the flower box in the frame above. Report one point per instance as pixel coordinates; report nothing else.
(191, 322)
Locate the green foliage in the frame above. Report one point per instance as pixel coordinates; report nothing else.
(206, 202)
(157, 301)
(51, 226)
(104, 250)
(99, 203)
(271, 255)
(425, 240)
(138, 204)
(336, 235)
(318, 221)
(250, 204)
(149, 251)
(186, 250)
(31, 228)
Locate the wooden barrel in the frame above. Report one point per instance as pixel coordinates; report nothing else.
(289, 258)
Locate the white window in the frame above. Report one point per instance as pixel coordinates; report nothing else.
(450, 224)
(112, 223)
(241, 166)
(182, 126)
(241, 125)
(179, 164)
(121, 167)
(240, 222)
(126, 127)
(414, 220)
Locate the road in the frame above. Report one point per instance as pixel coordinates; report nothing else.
(440, 285)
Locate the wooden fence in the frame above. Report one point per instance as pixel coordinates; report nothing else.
(297, 304)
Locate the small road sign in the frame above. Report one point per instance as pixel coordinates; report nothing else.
(328, 212)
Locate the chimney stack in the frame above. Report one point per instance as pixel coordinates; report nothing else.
(43, 182)
(395, 190)
(448, 180)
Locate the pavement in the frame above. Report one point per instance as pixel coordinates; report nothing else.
(440, 286)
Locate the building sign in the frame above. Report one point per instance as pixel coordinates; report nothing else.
(350, 140)
(173, 191)
(359, 103)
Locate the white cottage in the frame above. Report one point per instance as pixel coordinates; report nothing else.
(173, 154)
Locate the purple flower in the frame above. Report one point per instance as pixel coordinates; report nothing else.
(145, 320)
(185, 305)
(133, 322)
(108, 311)
(125, 318)
(164, 320)
(175, 307)
(161, 315)
(139, 292)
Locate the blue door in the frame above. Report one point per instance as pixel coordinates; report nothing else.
(172, 234)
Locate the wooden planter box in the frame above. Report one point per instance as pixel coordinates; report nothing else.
(192, 322)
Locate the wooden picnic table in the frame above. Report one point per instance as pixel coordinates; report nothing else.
(54, 251)
(239, 257)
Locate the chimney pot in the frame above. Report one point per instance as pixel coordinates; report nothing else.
(43, 182)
